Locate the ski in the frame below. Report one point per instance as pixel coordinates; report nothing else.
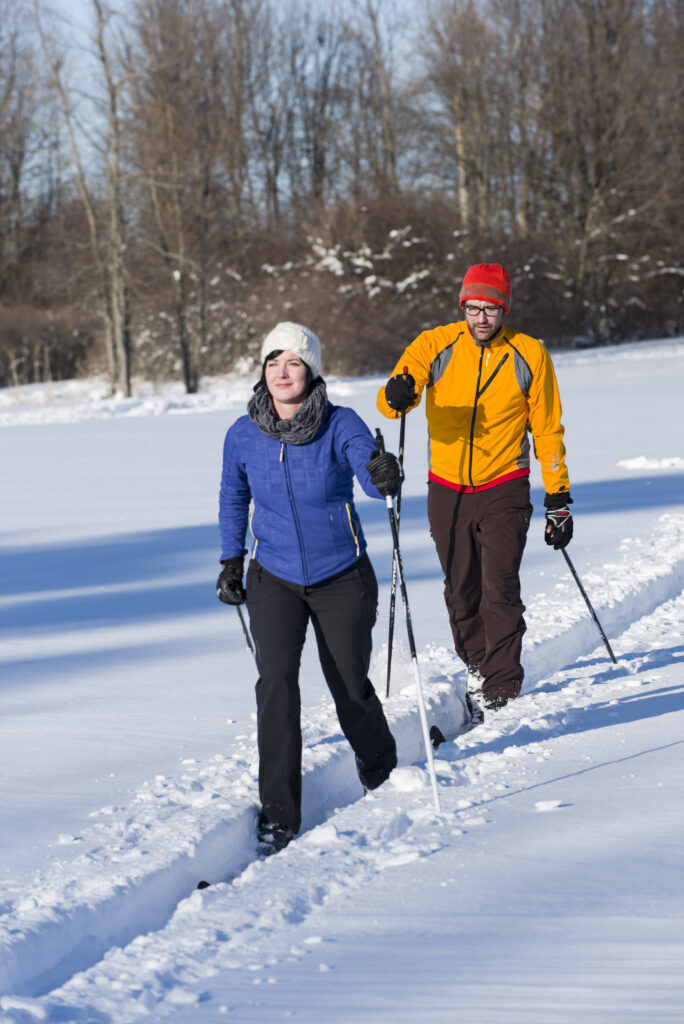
(437, 737)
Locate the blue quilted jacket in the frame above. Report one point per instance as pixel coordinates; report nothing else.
(296, 499)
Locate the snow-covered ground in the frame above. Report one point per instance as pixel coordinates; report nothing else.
(549, 889)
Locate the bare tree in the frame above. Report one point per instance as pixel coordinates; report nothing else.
(377, 48)
(188, 129)
(516, 102)
(271, 105)
(599, 81)
(117, 263)
(165, 117)
(459, 92)
(318, 54)
(17, 113)
(107, 232)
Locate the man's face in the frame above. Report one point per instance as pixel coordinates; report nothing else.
(484, 319)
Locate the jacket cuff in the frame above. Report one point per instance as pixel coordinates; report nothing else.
(233, 558)
(554, 501)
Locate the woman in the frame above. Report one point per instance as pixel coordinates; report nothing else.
(292, 459)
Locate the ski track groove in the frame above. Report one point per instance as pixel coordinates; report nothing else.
(128, 896)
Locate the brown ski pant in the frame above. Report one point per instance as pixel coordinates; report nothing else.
(480, 538)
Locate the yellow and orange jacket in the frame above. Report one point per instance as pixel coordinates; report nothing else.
(481, 401)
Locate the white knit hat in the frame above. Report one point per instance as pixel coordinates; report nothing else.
(288, 337)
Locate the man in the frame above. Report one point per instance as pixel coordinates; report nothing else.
(486, 386)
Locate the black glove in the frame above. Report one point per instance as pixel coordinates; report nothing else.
(558, 529)
(400, 392)
(229, 588)
(385, 472)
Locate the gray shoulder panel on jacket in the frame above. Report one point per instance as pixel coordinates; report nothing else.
(440, 362)
(523, 373)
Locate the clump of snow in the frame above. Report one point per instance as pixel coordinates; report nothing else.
(548, 805)
(641, 462)
(409, 779)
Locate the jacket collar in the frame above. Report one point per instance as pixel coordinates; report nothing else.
(486, 344)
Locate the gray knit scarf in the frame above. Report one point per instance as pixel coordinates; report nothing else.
(305, 423)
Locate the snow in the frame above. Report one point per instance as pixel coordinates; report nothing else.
(548, 889)
(642, 463)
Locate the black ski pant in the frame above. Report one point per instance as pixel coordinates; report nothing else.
(342, 610)
(480, 539)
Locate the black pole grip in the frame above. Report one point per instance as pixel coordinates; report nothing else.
(379, 440)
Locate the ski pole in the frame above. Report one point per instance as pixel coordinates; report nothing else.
(245, 630)
(409, 630)
(393, 590)
(589, 606)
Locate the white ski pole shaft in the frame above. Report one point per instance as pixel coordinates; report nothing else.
(426, 735)
(393, 589)
(246, 631)
(411, 639)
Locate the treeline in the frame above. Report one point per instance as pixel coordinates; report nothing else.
(180, 174)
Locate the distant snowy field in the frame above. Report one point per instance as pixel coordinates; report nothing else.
(550, 889)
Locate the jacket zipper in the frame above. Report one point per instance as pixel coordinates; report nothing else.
(478, 393)
(354, 532)
(493, 376)
(251, 530)
(294, 511)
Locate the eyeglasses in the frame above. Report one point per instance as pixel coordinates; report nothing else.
(476, 310)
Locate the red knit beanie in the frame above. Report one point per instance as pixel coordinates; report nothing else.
(487, 282)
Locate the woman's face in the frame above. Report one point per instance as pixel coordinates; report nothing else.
(287, 379)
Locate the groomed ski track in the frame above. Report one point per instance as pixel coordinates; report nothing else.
(126, 909)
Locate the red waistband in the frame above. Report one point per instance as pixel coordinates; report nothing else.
(467, 489)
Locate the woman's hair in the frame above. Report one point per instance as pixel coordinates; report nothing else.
(274, 355)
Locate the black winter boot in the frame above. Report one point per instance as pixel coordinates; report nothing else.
(271, 837)
(495, 703)
(373, 774)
